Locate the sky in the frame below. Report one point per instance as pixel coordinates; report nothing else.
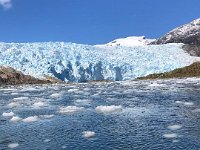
(91, 21)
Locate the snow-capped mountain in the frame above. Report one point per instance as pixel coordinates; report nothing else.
(129, 41)
(187, 34)
(79, 63)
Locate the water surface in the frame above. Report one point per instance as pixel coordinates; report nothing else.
(162, 114)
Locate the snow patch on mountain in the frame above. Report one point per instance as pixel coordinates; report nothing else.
(129, 41)
(187, 28)
(187, 34)
(78, 63)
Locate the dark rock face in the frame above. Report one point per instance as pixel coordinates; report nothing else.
(9, 76)
(187, 34)
(193, 50)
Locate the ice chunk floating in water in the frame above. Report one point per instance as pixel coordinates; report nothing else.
(15, 119)
(174, 127)
(170, 135)
(70, 109)
(108, 109)
(31, 119)
(8, 114)
(39, 104)
(88, 134)
(13, 145)
(79, 63)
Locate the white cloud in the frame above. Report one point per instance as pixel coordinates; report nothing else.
(6, 3)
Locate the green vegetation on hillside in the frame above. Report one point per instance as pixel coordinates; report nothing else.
(188, 71)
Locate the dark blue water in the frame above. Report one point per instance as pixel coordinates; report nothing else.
(141, 115)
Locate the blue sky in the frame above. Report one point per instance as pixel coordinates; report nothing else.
(91, 21)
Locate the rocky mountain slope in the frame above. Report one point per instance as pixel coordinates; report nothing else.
(187, 34)
(11, 76)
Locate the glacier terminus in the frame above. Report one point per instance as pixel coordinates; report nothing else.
(72, 62)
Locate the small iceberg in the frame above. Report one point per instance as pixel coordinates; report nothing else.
(174, 127)
(21, 98)
(170, 135)
(70, 109)
(13, 145)
(31, 119)
(13, 104)
(108, 109)
(188, 103)
(15, 119)
(8, 114)
(47, 140)
(88, 134)
(39, 104)
(56, 95)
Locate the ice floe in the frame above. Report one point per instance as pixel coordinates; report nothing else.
(184, 103)
(175, 141)
(14, 93)
(39, 104)
(170, 135)
(13, 104)
(31, 119)
(196, 110)
(21, 98)
(15, 119)
(56, 95)
(63, 147)
(179, 102)
(88, 134)
(8, 114)
(83, 102)
(47, 140)
(108, 109)
(188, 103)
(13, 145)
(47, 116)
(73, 90)
(70, 109)
(174, 127)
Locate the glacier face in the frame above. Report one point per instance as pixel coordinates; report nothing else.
(78, 63)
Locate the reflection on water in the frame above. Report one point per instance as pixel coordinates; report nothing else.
(161, 114)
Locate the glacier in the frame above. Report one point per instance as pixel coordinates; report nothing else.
(72, 62)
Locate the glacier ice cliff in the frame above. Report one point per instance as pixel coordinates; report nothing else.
(79, 63)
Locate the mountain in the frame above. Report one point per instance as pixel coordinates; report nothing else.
(130, 41)
(187, 34)
(72, 62)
